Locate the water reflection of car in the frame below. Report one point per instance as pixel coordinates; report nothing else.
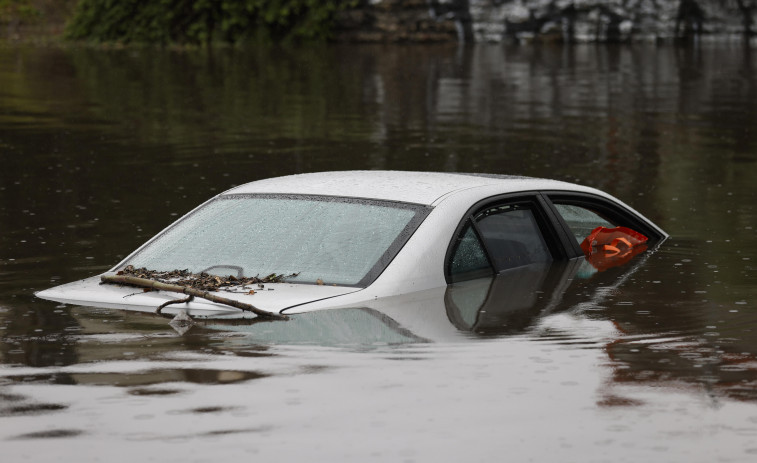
(513, 302)
(354, 238)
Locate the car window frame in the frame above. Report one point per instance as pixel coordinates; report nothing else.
(555, 230)
(558, 242)
(612, 211)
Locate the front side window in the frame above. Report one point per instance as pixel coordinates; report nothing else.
(512, 236)
(498, 238)
(331, 240)
(469, 259)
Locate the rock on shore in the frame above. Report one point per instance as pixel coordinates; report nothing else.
(545, 20)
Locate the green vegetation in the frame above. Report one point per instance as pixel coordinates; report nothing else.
(34, 20)
(15, 11)
(203, 21)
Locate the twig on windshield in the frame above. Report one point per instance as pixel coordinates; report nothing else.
(145, 283)
(175, 301)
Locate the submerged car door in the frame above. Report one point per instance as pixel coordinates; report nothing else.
(504, 233)
(513, 259)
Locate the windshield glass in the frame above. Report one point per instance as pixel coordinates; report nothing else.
(322, 239)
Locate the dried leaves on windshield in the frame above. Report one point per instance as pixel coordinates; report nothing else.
(203, 281)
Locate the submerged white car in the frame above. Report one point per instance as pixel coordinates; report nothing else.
(350, 239)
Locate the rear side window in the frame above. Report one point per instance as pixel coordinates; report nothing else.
(581, 220)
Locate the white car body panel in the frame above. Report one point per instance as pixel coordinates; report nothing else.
(418, 267)
(274, 297)
(412, 187)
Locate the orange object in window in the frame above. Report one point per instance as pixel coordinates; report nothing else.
(608, 247)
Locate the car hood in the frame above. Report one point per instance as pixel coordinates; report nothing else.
(274, 297)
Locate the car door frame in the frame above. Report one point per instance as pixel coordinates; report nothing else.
(555, 231)
(558, 243)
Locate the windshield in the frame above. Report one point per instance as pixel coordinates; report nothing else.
(322, 239)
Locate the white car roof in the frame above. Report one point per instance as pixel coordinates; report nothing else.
(413, 187)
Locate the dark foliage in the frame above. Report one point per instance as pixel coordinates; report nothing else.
(203, 21)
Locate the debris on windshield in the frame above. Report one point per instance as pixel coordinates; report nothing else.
(194, 285)
(203, 281)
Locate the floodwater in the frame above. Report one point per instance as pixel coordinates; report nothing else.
(654, 361)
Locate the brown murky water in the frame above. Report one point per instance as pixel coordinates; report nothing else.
(100, 149)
